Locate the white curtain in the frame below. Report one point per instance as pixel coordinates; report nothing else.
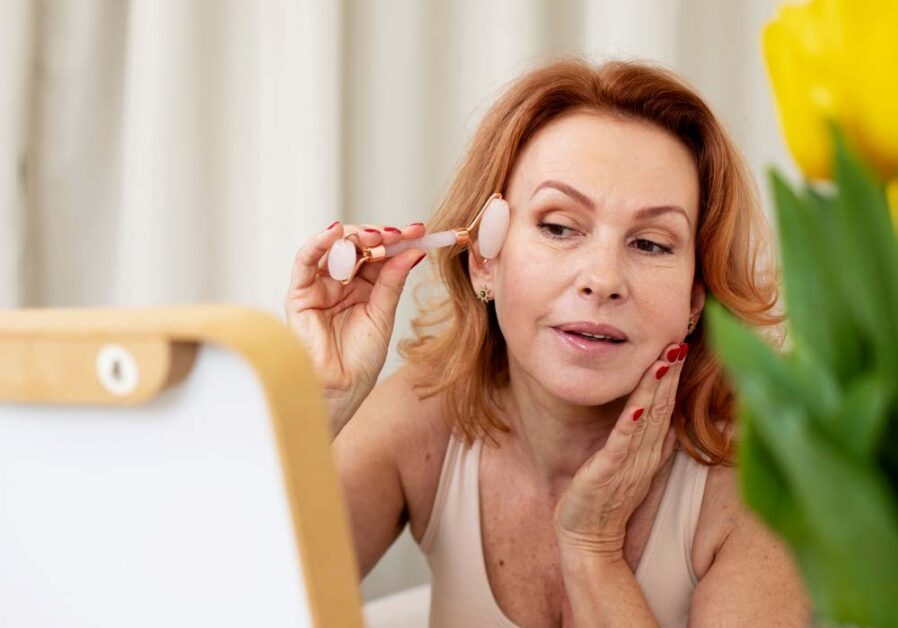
(173, 151)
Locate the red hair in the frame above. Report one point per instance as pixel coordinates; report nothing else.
(458, 343)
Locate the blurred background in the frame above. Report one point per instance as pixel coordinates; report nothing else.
(170, 151)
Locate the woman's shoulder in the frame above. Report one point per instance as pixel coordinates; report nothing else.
(419, 435)
(722, 509)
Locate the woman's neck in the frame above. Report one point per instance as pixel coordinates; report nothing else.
(550, 439)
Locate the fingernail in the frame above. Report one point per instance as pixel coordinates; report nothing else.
(333, 224)
(393, 229)
(418, 261)
(416, 223)
(684, 349)
(674, 354)
(371, 230)
(661, 372)
(638, 413)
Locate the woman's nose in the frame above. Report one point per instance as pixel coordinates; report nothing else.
(601, 273)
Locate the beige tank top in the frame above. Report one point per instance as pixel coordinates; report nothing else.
(460, 590)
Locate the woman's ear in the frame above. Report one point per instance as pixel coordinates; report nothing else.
(697, 300)
(480, 275)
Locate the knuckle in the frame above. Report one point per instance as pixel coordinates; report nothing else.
(307, 254)
(661, 410)
(618, 455)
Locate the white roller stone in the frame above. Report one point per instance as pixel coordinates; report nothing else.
(341, 259)
(493, 227)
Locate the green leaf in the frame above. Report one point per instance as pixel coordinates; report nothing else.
(759, 373)
(819, 453)
(866, 248)
(764, 486)
(816, 312)
(834, 509)
(861, 421)
(816, 377)
(851, 355)
(851, 518)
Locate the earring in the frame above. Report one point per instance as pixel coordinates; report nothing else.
(484, 295)
(690, 327)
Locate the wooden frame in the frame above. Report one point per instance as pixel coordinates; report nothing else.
(49, 356)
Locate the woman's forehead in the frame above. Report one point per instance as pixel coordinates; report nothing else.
(606, 158)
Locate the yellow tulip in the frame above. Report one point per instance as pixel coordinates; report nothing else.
(836, 60)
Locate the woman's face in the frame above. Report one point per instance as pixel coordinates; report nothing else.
(602, 231)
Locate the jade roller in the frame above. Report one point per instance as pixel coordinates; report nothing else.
(346, 256)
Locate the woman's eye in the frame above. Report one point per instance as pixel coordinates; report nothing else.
(560, 232)
(652, 248)
(556, 232)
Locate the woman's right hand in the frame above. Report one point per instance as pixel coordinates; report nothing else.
(347, 329)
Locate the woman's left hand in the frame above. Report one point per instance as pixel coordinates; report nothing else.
(591, 516)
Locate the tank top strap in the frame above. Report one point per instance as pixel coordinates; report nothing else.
(665, 573)
(453, 463)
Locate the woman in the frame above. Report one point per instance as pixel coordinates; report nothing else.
(555, 453)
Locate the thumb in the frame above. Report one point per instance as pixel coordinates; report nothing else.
(388, 287)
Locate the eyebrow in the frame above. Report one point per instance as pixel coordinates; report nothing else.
(580, 197)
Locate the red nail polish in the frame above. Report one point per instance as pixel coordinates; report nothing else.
(418, 261)
(684, 349)
(661, 372)
(333, 224)
(393, 229)
(674, 354)
(371, 230)
(638, 413)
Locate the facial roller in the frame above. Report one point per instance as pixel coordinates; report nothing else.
(346, 256)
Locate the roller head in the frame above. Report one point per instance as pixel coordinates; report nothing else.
(341, 259)
(493, 227)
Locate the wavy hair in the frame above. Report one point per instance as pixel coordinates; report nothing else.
(458, 348)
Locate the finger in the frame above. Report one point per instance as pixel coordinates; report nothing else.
(666, 392)
(640, 399)
(392, 235)
(370, 235)
(383, 230)
(369, 272)
(414, 230)
(677, 369)
(628, 433)
(640, 404)
(626, 439)
(307, 259)
(670, 441)
(660, 414)
(388, 287)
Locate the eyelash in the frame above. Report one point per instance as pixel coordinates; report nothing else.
(546, 227)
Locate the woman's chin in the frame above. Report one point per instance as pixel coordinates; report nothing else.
(588, 393)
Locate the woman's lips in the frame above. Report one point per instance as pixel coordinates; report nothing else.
(585, 346)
